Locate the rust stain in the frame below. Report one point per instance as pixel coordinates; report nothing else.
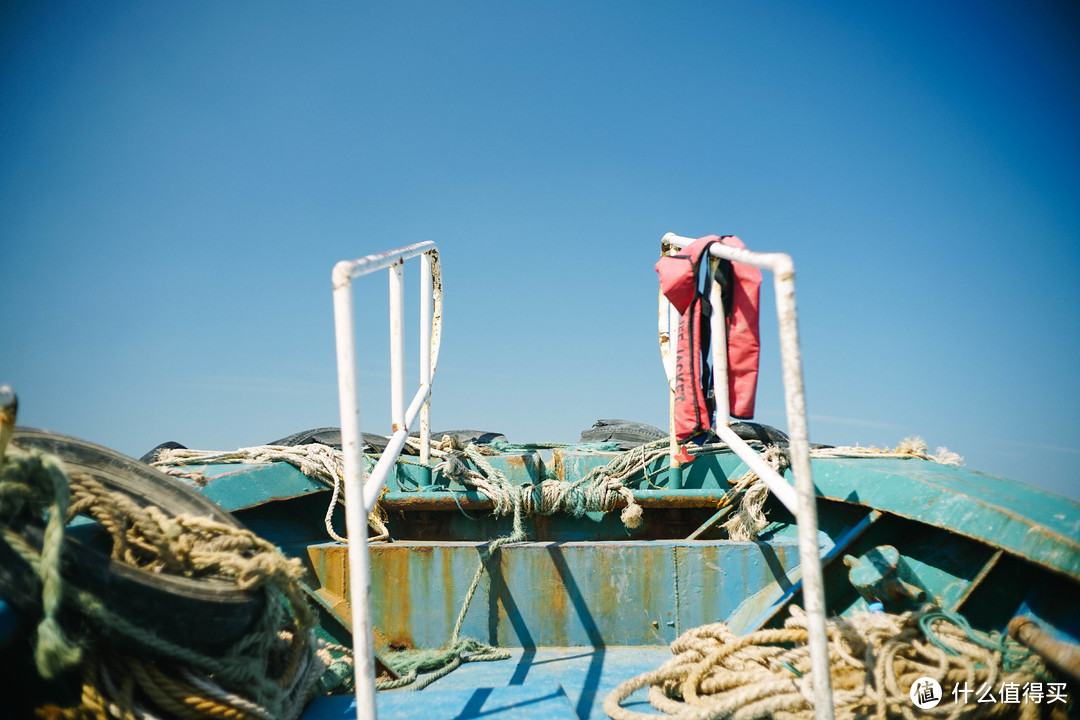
(392, 593)
(338, 605)
(555, 598)
(331, 565)
(646, 584)
(420, 501)
(449, 597)
(515, 461)
(558, 461)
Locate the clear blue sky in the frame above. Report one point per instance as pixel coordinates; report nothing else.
(178, 179)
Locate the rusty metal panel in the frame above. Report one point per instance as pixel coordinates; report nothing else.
(539, 594)
(716, 578)
(590, 594)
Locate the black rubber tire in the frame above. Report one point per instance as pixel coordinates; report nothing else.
(766, 434)
(625, 432)
(168, 445)
(464, 437)
(205, 613)
(632, 434)
(331, 437)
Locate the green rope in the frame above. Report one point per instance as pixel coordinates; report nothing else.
(32, 482)
(36, 482)
(458, 503)
(1013, 655)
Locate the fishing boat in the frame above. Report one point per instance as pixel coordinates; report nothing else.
(495, 579)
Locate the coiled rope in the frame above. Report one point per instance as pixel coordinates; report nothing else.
(129, 671)
(875, 658)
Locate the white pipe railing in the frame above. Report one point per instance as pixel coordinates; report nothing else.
(360, 496)
(802, 499)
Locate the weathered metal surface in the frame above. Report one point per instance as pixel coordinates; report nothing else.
(587, 675)
(759, 607)
(1020, 519)
(1063, 656)
(987, 566)
(1017, 518)
(593, 594)
(1014, 587)
(472, 500)
(240, 486)
(580, 677)
(1053, 605)
(950, 527)
(882, 575)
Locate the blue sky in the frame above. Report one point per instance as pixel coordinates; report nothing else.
(178, 179)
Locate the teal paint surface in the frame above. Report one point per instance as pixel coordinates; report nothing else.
(240, 486)
(1020, 519)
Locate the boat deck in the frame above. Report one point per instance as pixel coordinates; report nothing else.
(552, 683)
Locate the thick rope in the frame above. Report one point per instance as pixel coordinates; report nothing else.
(910, 447)
(749, 519)
(875, 658)
(317, 461)
(270, 673)
(598, 491)
(34, 480)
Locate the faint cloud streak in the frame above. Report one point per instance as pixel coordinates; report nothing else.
(852, 421)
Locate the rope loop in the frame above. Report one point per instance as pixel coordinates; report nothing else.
(875, 659)
(269, 673)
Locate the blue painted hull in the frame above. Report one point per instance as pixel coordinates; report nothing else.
(591, 592)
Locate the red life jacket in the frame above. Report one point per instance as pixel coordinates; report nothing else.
(680, 282)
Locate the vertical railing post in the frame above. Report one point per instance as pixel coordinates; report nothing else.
(802, 501)
(813, 588)
(361, 495)
(425, 366)
(397, 345)
(355, 512)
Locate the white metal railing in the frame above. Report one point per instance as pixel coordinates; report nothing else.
(360, 496)
(801, 500)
